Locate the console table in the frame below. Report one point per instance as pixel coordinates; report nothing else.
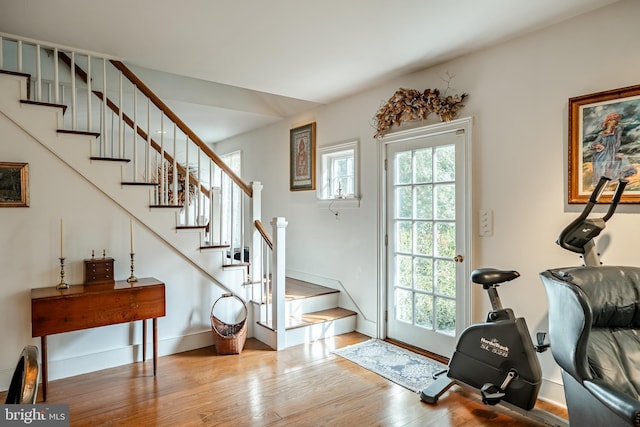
(86, 306)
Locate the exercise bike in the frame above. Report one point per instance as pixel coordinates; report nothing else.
(497, 357)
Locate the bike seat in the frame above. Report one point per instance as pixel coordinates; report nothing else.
(490, 276)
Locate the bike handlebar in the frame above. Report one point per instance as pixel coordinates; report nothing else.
(593, 200)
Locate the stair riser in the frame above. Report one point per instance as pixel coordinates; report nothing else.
(311, 333)
(307, 334)
(296, 308)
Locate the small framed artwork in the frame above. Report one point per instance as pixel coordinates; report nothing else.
(14, 184)
(303, 157)
(604, 140)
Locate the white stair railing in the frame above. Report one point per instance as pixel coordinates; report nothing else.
(104, 98)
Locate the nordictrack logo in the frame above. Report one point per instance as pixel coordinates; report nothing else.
(34, 415)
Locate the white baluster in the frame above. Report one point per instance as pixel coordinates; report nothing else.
(89, 78)
(74, 110)
(120, 113)
(211, 204)
(186, 182)
(147, 154)
(56, 77)
(19, 54)
(174, 183)
(163, 193)
(105, 129)
(199, 206)
(38, 75)
(135, 133)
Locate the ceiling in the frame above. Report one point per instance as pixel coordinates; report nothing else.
(227, 67)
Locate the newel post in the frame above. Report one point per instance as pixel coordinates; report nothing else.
(279, 225)
(256, 239)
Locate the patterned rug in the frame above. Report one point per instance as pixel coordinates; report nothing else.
(403, 367)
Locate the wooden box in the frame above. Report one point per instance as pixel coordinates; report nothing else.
(98, 270)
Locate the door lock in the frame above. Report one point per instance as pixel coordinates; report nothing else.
(458, 258)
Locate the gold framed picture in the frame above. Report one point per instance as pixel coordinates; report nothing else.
(14, 184)
(303, 157)
(604, 140)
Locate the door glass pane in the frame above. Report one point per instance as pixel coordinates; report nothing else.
(404, 234)
(446, 316)
(445, 277)
(424, 237)
(423, 165)
(445, 163)
(445, 201)
(404, 208)
(404, 305)
(404, 271)
(445, 238)
(424, 310)
(424, 274)
(423, 201)
(403, 168)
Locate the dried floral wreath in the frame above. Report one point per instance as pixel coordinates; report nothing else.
(409, 104)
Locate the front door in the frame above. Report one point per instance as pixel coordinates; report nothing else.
(426, 242)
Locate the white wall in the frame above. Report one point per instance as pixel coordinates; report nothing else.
(518, 98)
(29, 259)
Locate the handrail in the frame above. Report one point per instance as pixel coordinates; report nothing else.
(263, 232)
(182, 126)
(128, 121)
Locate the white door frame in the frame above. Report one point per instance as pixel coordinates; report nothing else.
(466, 125)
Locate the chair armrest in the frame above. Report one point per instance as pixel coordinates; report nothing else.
(623, 405)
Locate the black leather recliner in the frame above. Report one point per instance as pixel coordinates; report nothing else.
(594, 330)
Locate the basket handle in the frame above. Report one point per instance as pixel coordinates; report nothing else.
(229, 295)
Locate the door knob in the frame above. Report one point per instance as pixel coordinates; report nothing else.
(458, 258)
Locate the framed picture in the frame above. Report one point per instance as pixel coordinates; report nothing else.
(303, 157)
(14, 184)
(604, 140)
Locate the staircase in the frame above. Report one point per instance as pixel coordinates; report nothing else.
(195, 211)
(311, 313)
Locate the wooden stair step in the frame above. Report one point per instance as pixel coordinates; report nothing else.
(79, 132)
(46, 104)
(299, 289)
(319, 317)
(109, 159)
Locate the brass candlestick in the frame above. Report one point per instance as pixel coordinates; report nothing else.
(62, 285)
(132, 278)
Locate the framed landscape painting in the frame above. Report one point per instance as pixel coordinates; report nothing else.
(14, 184)
(604, 140)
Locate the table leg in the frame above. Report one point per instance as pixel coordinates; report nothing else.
(144, 340)
(155, 345)
(45, 377)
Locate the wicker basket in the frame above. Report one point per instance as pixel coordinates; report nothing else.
(229, 338)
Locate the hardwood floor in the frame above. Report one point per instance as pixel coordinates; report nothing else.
(305, 385)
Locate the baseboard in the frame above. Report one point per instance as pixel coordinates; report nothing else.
(71, 366)
(553, 392)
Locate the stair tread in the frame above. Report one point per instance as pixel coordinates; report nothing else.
(319, 317)
(299, 289)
